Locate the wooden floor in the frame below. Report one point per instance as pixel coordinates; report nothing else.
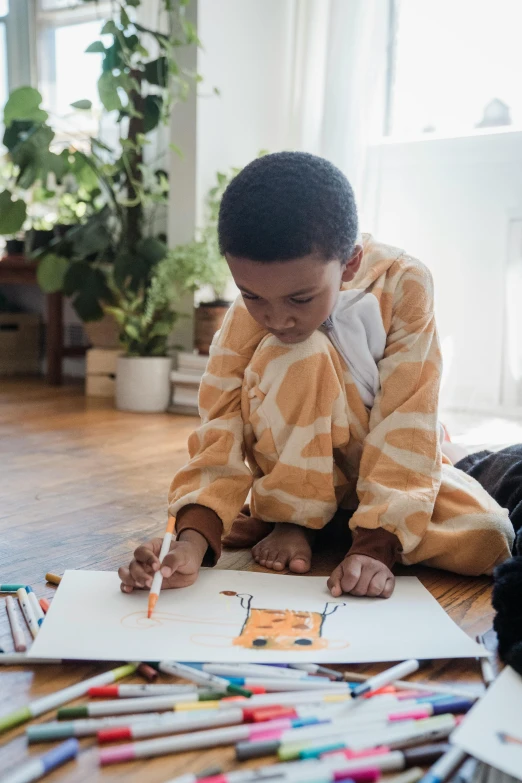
(80, 485)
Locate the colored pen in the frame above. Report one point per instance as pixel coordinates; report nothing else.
(61, 729)
(171, 724)
(141, 704)
(21, 659)
(314, 668)
(252, 670)
(38, 767)
(275, 684)
(445, 766)
(434, 687)
(54, 579)
(45, 604)
(455, 706)
(195, 778)
(158, 576)
(52, 700)
(202, 678)
(131, 691)
(488, 675)
(16, 628)
(10, 588)
(440, 725)
(325, 769)
(193, 741)
(37, 609)
(386, 677)
(27, 611)
(208, 720)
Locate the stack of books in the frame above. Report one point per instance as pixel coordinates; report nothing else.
(185, 382)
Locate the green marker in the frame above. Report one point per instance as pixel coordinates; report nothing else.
(10, 588)
(48, 703)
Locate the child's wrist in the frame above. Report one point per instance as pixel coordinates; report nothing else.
(196, 540)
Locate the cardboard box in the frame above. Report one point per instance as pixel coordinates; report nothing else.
(19, 344)
(100, 372)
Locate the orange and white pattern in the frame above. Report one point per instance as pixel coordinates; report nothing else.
(289, 423)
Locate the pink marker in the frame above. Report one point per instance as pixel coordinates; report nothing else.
(368, 775)
(418, 714)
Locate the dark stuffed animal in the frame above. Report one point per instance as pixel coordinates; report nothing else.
(507, 602)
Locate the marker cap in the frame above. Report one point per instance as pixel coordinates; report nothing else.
(115, 755)
(256, 750)
(453, 706)
(48, 733)
(113, 735)
(104, 690)
(67, 750)
(261, 714)
(71, 713)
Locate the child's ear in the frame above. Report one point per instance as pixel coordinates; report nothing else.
(353, 264)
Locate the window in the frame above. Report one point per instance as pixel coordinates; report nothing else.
(457, 66)
(4, 88)
(66, 73)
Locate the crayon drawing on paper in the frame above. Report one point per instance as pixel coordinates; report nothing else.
(243, 616)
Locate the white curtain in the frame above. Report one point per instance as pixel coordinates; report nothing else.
(339, 80)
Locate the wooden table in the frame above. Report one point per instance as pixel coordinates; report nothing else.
(81, 485)
(17, 270)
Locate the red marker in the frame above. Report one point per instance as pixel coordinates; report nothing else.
(45, 604)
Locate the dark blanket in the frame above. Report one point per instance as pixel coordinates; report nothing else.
(500, 473)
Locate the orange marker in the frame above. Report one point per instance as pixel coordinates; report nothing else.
(44, 603)
(158, 578)
(53, 578)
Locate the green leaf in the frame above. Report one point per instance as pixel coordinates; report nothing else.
(85, 105)
(157, 72)
(109, 28)
(124, 18)
(134, 3)
(132, 331)
(152, 112)
(50, 272)
(176, 149)
(24, 104)
(87, 306)
(28, 175)
(97, 46)
(12, 213)
(108, 91)
(152, 250)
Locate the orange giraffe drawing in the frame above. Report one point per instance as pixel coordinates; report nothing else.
(282, 629)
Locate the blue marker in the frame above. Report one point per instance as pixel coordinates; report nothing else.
(37, 609)
(37, 768)
(445, 766)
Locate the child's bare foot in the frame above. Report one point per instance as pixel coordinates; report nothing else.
(287, 546)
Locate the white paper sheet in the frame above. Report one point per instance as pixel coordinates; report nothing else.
(246, 616)
(492, 731)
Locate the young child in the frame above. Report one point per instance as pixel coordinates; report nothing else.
(321, 393)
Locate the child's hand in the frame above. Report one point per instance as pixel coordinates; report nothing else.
(361, 575)
(180, 566)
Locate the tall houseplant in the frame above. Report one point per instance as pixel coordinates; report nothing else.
(141, 78)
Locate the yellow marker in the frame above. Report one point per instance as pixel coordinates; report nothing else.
(158, 578)
(53, 578)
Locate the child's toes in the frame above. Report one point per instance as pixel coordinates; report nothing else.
(300, 563)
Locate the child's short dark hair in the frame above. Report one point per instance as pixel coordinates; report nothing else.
(287, 205)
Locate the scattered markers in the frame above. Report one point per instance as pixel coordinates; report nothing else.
(16, 628)
(38, 767)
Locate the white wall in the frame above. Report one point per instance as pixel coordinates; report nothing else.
(247, 51)
(449, 202)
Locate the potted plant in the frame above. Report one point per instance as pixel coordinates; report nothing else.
(145, 318)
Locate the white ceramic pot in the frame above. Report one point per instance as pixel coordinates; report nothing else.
(143, 383)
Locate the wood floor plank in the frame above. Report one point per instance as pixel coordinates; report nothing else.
(80, 486)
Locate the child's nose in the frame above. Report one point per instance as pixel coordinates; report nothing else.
(278, 320)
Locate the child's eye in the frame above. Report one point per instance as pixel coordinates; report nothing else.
(250, 296)
(301, 301)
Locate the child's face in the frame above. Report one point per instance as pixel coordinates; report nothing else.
(291, 299)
